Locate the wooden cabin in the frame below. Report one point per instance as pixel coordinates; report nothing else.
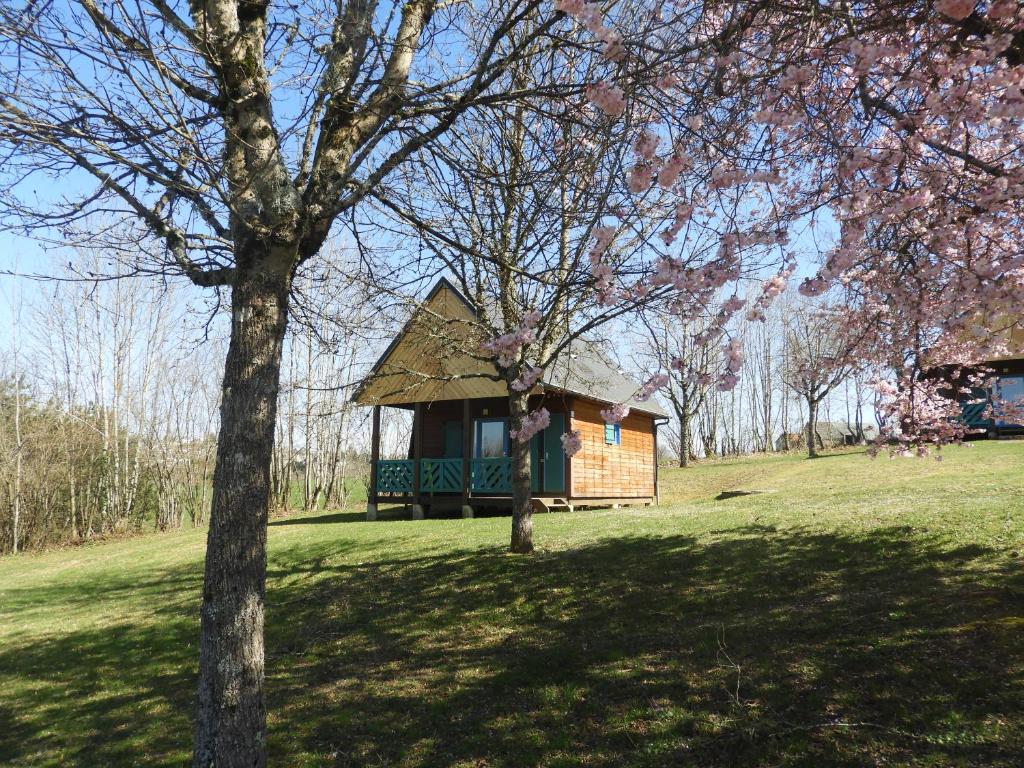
(1008, 386)
(458, 457)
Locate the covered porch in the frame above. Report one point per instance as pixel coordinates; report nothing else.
(459, 455)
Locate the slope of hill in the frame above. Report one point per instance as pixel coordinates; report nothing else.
(858, 612)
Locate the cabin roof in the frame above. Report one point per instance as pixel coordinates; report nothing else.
(583, 369)
(428, 360)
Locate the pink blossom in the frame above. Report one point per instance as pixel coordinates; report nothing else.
(531, 424)
(640, 178)
(955, 9)
(733, 352)
(505, 348)
(652, 385)
(733, 304)
(572, 442)
(527, 379)
(674, 165)
(1002, 9)
(647, 145)
(608, 98)
(615, 414)
(603, 237)
(727, 382)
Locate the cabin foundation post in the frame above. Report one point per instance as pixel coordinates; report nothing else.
(371, 495)
(467, 511)
(417, 512)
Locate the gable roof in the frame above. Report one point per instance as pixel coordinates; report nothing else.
(428, 361)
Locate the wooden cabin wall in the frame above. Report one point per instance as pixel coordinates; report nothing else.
(612, 471)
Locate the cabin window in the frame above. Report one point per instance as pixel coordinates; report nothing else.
(491, 439)
(613, 434)
(1010, 390)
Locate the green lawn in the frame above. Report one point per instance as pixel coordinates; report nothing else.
(863, 613)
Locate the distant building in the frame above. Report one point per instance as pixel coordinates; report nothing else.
(829, 434)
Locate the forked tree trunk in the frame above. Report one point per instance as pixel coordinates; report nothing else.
(812, 429)
(522, 504)
(231, 715)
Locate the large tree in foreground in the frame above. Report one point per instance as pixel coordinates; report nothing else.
(225, 138)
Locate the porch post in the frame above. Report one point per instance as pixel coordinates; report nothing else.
(570, 413)
(371, 494)
(417, 457)
(467, 448)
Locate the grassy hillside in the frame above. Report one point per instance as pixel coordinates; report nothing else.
(859, 613)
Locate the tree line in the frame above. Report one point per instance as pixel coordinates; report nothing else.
(109, 398)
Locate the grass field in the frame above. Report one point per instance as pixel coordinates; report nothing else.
(861, 613)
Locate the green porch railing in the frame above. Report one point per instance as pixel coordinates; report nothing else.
(441, 475)
(492, 475)
(395, 475)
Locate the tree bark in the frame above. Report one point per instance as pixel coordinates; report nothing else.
(231, 715)
(812, 429)
(684, 439)
(522, 504)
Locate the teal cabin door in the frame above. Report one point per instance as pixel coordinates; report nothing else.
(535, 463)
(453, 440)
(554, 455)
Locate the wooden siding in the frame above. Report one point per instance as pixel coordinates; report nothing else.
(431, 358)
(612, 471)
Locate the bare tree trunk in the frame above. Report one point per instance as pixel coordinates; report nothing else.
(19, 447)
(522, 505)
(231, 713)
(684, 439)
(812, 428)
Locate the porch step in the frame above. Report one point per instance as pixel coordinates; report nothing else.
(547, 504)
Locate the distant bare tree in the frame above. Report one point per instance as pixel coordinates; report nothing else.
(819, 357)
(691, 379)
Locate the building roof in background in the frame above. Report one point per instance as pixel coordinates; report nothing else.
(429, 359)
(839, 429)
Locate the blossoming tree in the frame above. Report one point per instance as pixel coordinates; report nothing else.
(872, 115)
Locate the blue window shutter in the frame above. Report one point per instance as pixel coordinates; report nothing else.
(618, 434)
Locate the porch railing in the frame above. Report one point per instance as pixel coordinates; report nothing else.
(441, 475)
(492, 475)
(395, 475)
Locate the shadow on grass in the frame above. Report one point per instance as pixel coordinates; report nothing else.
(838, 454)
(752, 647)
(336, 517)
